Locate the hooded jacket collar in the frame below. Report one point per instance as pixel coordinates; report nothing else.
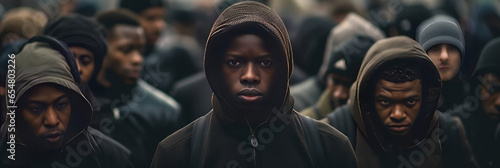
(243, 15)
(380, 53)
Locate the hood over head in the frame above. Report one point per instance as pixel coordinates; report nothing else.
(383, 53)
(38, 63)
(353, 25)
(346, 60)
(489, 59)
(249, 17)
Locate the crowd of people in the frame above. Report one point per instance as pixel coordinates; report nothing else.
(250, 83)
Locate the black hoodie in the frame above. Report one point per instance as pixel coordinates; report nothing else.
(36, 64)
(227, 142)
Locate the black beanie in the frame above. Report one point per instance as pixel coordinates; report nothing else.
(80, 31)
(489, 60)
(347, 59)
(441, 29)
(138, 6)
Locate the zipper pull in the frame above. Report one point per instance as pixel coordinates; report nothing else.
(254, 141)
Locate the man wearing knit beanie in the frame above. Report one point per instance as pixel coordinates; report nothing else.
(442, 38)
(85, 38)
(151, 16)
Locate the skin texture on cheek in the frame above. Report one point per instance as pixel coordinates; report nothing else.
(447, 60)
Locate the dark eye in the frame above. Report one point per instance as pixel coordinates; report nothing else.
(411, 102)
(35, 109)
(126, 49)
(384, 102)
(265, 63)
(233, 63)
(434, 49)
(85, 60)
(62, 105)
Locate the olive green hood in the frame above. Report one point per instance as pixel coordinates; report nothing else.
(361, 101)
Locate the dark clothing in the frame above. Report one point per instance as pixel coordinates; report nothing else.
(373, 144)
(139, 117)
(480, 130)
(83, 146)
(286, 143)
(266, 137)
(165, 66)
(193, 94)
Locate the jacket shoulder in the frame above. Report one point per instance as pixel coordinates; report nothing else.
(112, 153)
(338, 149)
(456, 149)
(175, 149)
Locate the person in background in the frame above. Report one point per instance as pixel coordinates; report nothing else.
(480, 112)
(442, 38)
(392, 116)
(151, 17)
(308, 92)
(130, 110)
(248, 64)
(86, 38)
(52, 115)
(340, 73)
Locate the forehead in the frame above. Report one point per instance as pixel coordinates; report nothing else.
(43, 92)
(387, 87)
(126, 31)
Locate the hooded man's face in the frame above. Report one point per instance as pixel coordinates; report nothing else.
(45, 115)
(249, 70)
(490, 96)
(85, 61)
(398, 104)
(446, 58)
(124, 58)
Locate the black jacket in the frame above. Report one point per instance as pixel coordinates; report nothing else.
(139, 117)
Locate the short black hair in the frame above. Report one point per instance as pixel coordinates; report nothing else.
(119, 16)
(399, 72)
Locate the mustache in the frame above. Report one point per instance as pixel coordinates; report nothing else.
(253, 92)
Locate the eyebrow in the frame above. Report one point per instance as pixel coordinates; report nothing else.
(41, 102)
(385, 97)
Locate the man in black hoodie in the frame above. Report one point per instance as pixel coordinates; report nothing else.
(130, 110)
(480, 112)
(248, 64)
(49, 127)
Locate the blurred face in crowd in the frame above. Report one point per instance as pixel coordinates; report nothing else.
(45, 115)
(249, 71)
(398, 104)
(446, 58)
(339, 87)
(490, 96)
(152, 20)
(85, 61)
(126, 45)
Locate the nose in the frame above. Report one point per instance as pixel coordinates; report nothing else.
(79, 67)
(160, 24)
(136, 58)
(250, 75)
(398, 113)
(340, 92)
(51, 119)
(444, 54)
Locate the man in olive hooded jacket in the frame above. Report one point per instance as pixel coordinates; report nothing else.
(392, 119)
(47, 124)
(248, 63)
